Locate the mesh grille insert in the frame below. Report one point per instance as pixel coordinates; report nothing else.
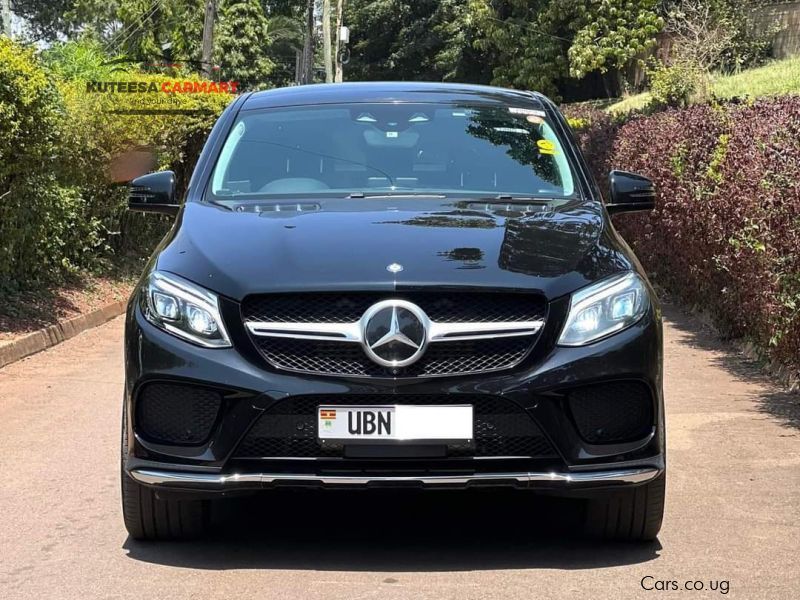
(288, 428)
(347, 307)
(176, 414)
(453, 358)
(612, 412)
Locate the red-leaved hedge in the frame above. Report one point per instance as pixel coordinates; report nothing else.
(725, 235)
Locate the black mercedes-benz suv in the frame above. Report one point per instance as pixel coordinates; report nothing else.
(392, 284)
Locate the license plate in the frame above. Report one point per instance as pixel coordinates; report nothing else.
(397, 422)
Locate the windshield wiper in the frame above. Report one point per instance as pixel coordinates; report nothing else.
(395, 195)
(513, 198)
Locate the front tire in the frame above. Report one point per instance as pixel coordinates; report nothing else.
(148, 517)
(633, 514)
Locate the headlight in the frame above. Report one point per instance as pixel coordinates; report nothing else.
(604, 308)
(184, 309)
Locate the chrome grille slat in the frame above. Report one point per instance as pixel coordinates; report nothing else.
(351, 332)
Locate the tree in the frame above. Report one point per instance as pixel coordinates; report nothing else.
(287, 34)
(459, 58)
(610, 33)
(259, 33)
(242, 43)
(132, 28)
(46, 19)
(717, 34)
(528, 40)
(699, 37)
(540, 43)
(413, 39)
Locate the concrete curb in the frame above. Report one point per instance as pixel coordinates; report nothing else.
(55, 334)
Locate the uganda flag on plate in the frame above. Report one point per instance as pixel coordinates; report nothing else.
(327, 414)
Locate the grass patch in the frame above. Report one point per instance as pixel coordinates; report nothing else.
(774, 79)
(635, 102)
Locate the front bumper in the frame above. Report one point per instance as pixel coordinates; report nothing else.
(252, 389)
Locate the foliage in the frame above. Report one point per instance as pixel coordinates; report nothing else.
(413, 39)
(287, 33)
(34, 212)
(60, 209)
(242, 42)
(46, 18)
(458, 59)
(531, 44)
(751, 46)
(725, 232)
(717, 34)
(673, 85)
(528, 40)
(135, 28)
(250, 35)
(78, 60)
(774, 79)
(542, 42)
(611, 33)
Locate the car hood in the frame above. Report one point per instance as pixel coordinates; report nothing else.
(349, 244)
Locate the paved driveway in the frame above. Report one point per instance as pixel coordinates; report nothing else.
(732, 507)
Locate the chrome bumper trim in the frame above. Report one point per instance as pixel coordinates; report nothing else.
(209, 481)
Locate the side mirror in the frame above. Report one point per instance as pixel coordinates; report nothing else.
(154, 192)
(630, 192)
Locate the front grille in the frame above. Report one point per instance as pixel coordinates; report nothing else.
(348, 358)
(176, 414)
(616, 412)
(289, 428)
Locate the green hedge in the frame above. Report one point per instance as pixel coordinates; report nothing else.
(35, 212)
(60, 209)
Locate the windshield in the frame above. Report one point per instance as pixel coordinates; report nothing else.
(378, 149)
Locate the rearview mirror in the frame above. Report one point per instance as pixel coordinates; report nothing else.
(154, 192)
(630, 192)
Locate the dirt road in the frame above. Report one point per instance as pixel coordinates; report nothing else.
(732, 508)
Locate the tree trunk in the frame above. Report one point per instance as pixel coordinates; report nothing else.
(339, 17)
(208, 37)
(5, 17)
(612, 83)
(308, 47)
(326, 39)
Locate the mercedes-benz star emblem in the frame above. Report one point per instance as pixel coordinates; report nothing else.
(394, 333)
(394, 268)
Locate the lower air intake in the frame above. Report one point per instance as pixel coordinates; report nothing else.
(179, 414)
(612, 412)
